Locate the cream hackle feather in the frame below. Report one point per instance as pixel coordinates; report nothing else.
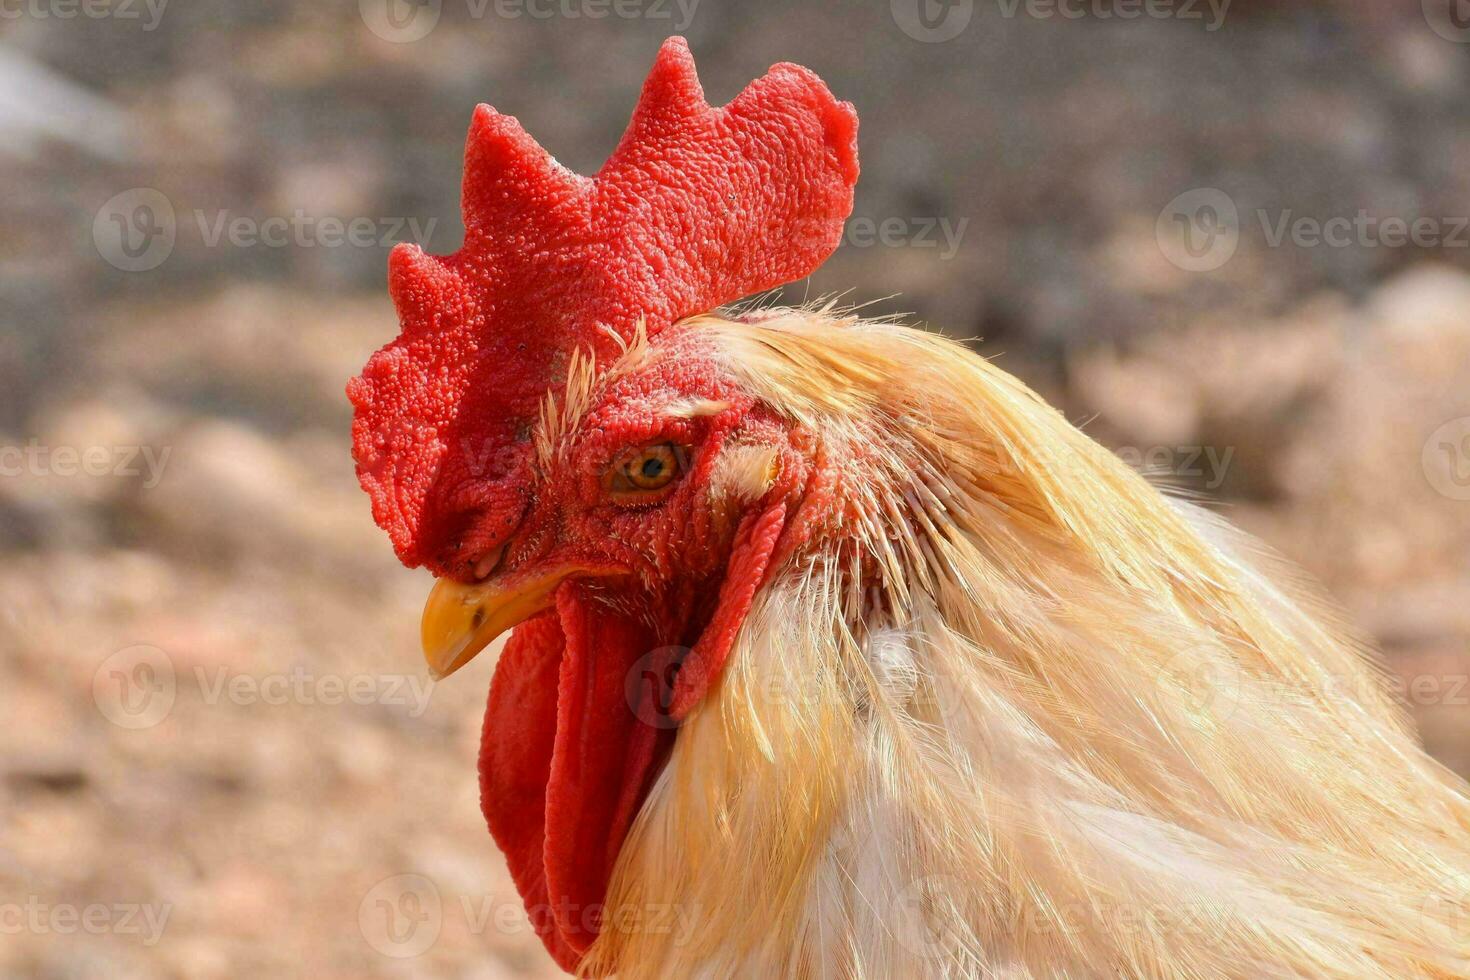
(1018, 714)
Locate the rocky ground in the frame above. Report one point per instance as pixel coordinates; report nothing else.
(222, 757)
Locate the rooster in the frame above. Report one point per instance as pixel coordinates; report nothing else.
(836, 652)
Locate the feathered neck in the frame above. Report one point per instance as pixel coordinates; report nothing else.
(1019, 715)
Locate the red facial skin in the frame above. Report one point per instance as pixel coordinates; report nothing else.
(582, 713)
(697, 207)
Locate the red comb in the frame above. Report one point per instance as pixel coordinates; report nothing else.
(696, 207)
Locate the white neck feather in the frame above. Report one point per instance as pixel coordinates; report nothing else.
(1082, 730)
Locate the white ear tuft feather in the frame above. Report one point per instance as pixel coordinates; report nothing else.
(743, 473)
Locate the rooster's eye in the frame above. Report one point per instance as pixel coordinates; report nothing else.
(639, 475)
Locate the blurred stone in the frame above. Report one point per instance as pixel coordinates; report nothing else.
(1147, 401)
(1424, 304)
(228, 486)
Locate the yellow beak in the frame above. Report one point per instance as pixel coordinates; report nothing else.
(460, 620)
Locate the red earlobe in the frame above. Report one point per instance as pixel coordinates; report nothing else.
(755, 541)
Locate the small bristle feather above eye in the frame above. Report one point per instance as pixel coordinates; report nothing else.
(559, 418)
(694, 408)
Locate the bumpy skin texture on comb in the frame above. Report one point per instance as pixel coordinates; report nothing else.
(697, 207)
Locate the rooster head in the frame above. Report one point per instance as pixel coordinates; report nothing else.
(553, 438)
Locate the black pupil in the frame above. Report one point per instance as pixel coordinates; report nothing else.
(652, 468)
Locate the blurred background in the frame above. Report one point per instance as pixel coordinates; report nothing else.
(1232, 239)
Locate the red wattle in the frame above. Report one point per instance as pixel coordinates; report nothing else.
(565, 762)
